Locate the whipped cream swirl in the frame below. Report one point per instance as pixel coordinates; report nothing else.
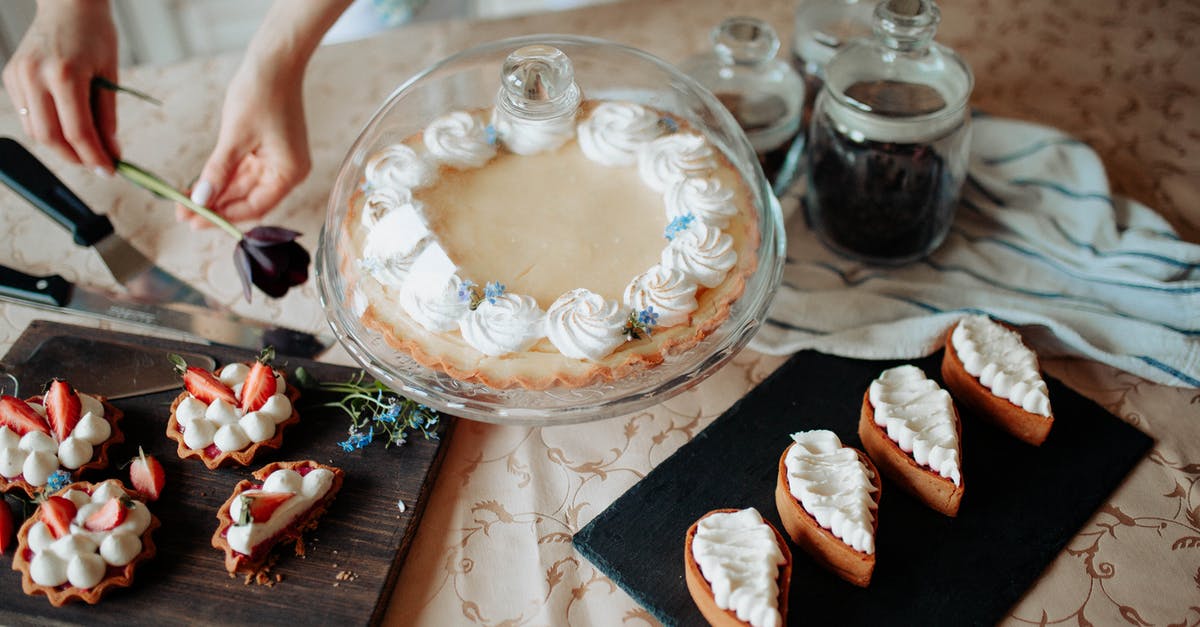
(529, 137)
(383, 200)
(739, 555)
(438, 308)
(1002, 363)
(394, 243)
(833, 484)
(701, 252)
(706, 199)
(583, 325)
(504, 324)
(399, 167)
(670, 292)
(459, 139)
(672, 158)
(919, 417)
(616, 131)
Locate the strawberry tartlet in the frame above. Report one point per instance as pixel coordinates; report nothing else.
(61, 430)
(84, 541)
(225, 417)
(285, 500)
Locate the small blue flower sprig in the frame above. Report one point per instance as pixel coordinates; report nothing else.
(678, 225)
(469, 292)
(668, 125)
(375, 411)
(640, 324)
(56, 481)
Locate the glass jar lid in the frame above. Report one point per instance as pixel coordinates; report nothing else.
(899, 85)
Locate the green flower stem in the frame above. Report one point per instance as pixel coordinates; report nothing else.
(155, 185)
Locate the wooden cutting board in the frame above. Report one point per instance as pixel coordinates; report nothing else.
(363, 537)
(1021, 504)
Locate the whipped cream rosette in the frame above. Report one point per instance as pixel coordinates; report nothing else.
(616, 132)
(460, 140)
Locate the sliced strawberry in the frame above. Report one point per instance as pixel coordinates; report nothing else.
(17, 415)
(206, 387)
(6, 526)
(147, 476)
(263, 504)
(107, 517)
(259, 386)
(58, 512)
(63, 408)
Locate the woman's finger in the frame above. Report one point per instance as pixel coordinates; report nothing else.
(74, 103)
(44, 120)
(104, 103)
(13, 86)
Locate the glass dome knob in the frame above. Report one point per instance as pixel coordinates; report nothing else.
(745, 41)
(538, 83)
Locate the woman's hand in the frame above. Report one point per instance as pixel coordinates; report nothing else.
(49, 80)
(262, 150)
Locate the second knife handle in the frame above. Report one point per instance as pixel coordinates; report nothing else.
(43, 290)
(27, 176)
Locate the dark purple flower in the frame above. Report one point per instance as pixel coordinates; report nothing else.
(271, 259)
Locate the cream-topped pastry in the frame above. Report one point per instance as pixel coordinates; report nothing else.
(919, 416)
(1000, 360)
(739, 556)
(284, 500)
(35, 442)
(227, 426)
(911, 429)
(247, 532)
(834, 486)
(83, 540)
(575, 250)
(226, 417)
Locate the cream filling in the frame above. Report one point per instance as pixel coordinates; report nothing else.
(834, 486)
(737, 553)
(82, 557)
(919, 417)
(307, 490)
(1002, 363)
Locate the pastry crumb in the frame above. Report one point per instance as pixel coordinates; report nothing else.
(347, 575)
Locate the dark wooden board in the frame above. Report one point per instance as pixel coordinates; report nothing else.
(1021, 505)
(364, 531)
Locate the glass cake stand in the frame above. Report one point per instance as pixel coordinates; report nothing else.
(470, 80)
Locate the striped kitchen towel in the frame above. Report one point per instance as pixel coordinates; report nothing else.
(1038, 242)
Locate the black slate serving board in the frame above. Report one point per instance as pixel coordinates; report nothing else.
(1021, 506)
(363, 534)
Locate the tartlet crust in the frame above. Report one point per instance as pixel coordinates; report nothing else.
(99, 453)
(61, 595)
(542, 366)
(967, 389)
(241, 457)
(240, 562)
(702, 592)
(827, 549)
(936, 491)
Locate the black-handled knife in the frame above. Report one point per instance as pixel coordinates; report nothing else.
(21, 171)
(27, 176)
(200, 323)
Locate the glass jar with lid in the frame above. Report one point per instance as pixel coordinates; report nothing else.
(764, 94)
(888, 142)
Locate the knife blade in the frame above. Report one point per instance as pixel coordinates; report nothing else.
(30, 178)
(200, 324)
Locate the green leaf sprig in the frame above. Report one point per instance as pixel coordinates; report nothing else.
(374, 410)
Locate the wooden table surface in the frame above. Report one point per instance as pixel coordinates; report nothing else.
(494, 547)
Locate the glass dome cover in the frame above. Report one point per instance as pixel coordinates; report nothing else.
(556, 73)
